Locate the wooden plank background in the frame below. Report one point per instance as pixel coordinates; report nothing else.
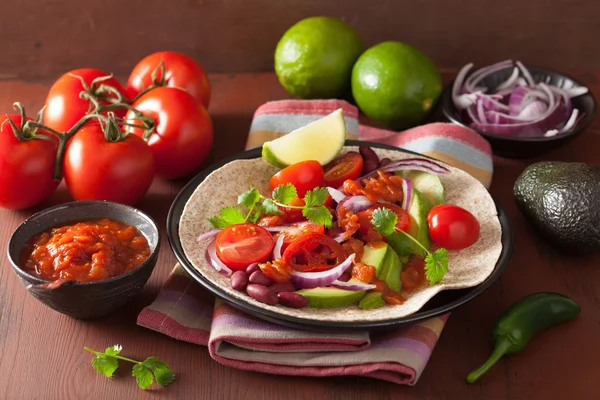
(45, 38)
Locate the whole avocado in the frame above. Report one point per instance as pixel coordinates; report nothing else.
(561, 199)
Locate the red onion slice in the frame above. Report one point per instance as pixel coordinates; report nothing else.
(355, 204)
(336, 195)
(280, 228)
(208, 235)
(407, 189)
(355, 286)
(484, 72)
(278, 246)
(308, 280)
(511, 82)
(526, 73)
(213, 259)
(576, 91)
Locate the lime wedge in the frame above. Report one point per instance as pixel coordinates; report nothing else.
(321, 140)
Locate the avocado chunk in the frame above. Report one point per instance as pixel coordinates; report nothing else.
(418, 228)
(371, 300)
(561, 199)
(329, 297)
(428, 184)
(374, 254)
(392, 268)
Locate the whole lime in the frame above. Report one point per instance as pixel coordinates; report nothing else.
(314, 58)
(395, 84)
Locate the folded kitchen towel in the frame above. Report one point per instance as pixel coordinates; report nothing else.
(185, 311)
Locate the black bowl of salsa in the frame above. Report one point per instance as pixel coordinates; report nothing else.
(85, 259)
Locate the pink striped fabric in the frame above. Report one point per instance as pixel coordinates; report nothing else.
(184, 311)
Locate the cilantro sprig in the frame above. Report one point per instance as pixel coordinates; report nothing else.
(436, 264)
(257, 205)
(145, 372)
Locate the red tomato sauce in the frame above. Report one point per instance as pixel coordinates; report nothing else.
(86, 251)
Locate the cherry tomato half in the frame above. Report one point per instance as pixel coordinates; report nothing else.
(452, 227)
(241, 245)
(365, 217)
(305, 176)
(346, 166)
(299, 229)
(313, 252)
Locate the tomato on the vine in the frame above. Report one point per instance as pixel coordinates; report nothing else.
(305, 176)
(180, 71)
(183, 133)
(452, 227)
(99, 166)
(26, 165)
(64, 108)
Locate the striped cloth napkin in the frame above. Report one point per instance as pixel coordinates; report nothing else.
(185, 311)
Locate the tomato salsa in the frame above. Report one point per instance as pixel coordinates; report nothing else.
(87, 251)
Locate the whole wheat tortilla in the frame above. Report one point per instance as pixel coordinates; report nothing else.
(466, 268)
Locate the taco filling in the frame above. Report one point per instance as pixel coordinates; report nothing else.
(360, 231)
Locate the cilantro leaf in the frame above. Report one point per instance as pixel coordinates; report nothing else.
(160, 369)
(316, 197)
(105, 365)
(143, 376)
(285, 193)
(270, 207)
(384, 221)
(249, 199)
(318, 215)
(436, 265)
(228, 216)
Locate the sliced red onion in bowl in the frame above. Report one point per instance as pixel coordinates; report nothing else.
(213, 259)
(208, 235)
(354, 286)
(278, 246)
(308, 280)
(407, 189)
(336, 195)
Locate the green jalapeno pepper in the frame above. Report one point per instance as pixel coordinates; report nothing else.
(522, 321)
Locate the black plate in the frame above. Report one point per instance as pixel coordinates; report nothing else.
(442, 303)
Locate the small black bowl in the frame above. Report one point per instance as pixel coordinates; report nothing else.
(524, 147)
(85, 300)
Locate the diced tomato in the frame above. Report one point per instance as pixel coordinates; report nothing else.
(313, 252)
(413, 274)
(363, 272)
(277, 270)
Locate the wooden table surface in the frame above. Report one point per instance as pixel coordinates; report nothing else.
(42, 356)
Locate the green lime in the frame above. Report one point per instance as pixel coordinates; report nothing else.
(314, 58)
(321, 140)
(395, 84)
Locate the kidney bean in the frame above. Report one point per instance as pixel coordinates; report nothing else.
(345, 277)
(292, 299)
(262, 294)
(260, 278)
(239, 280)
(282, 287)
(369, 166)
(384, 162)
(251, 268)
(368, 153)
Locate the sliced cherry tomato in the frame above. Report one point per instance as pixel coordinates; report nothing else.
(413, 274)
(271, 220)
(277, 270)
(365, 217)
(298, 230)
(305, 176)
(313, 252)
(291, 215)
(241, 245)
(452, 227)
(346, 166)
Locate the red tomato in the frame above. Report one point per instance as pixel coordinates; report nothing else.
(452, 227)
(305, 176)
(298, 230)
(365, 217)
(64, 107)
(183, 133)
(291, 215)
(346, 166)
(98, 169)
(313, 252)
(26, 167)
(241, 245)
(181, 71)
